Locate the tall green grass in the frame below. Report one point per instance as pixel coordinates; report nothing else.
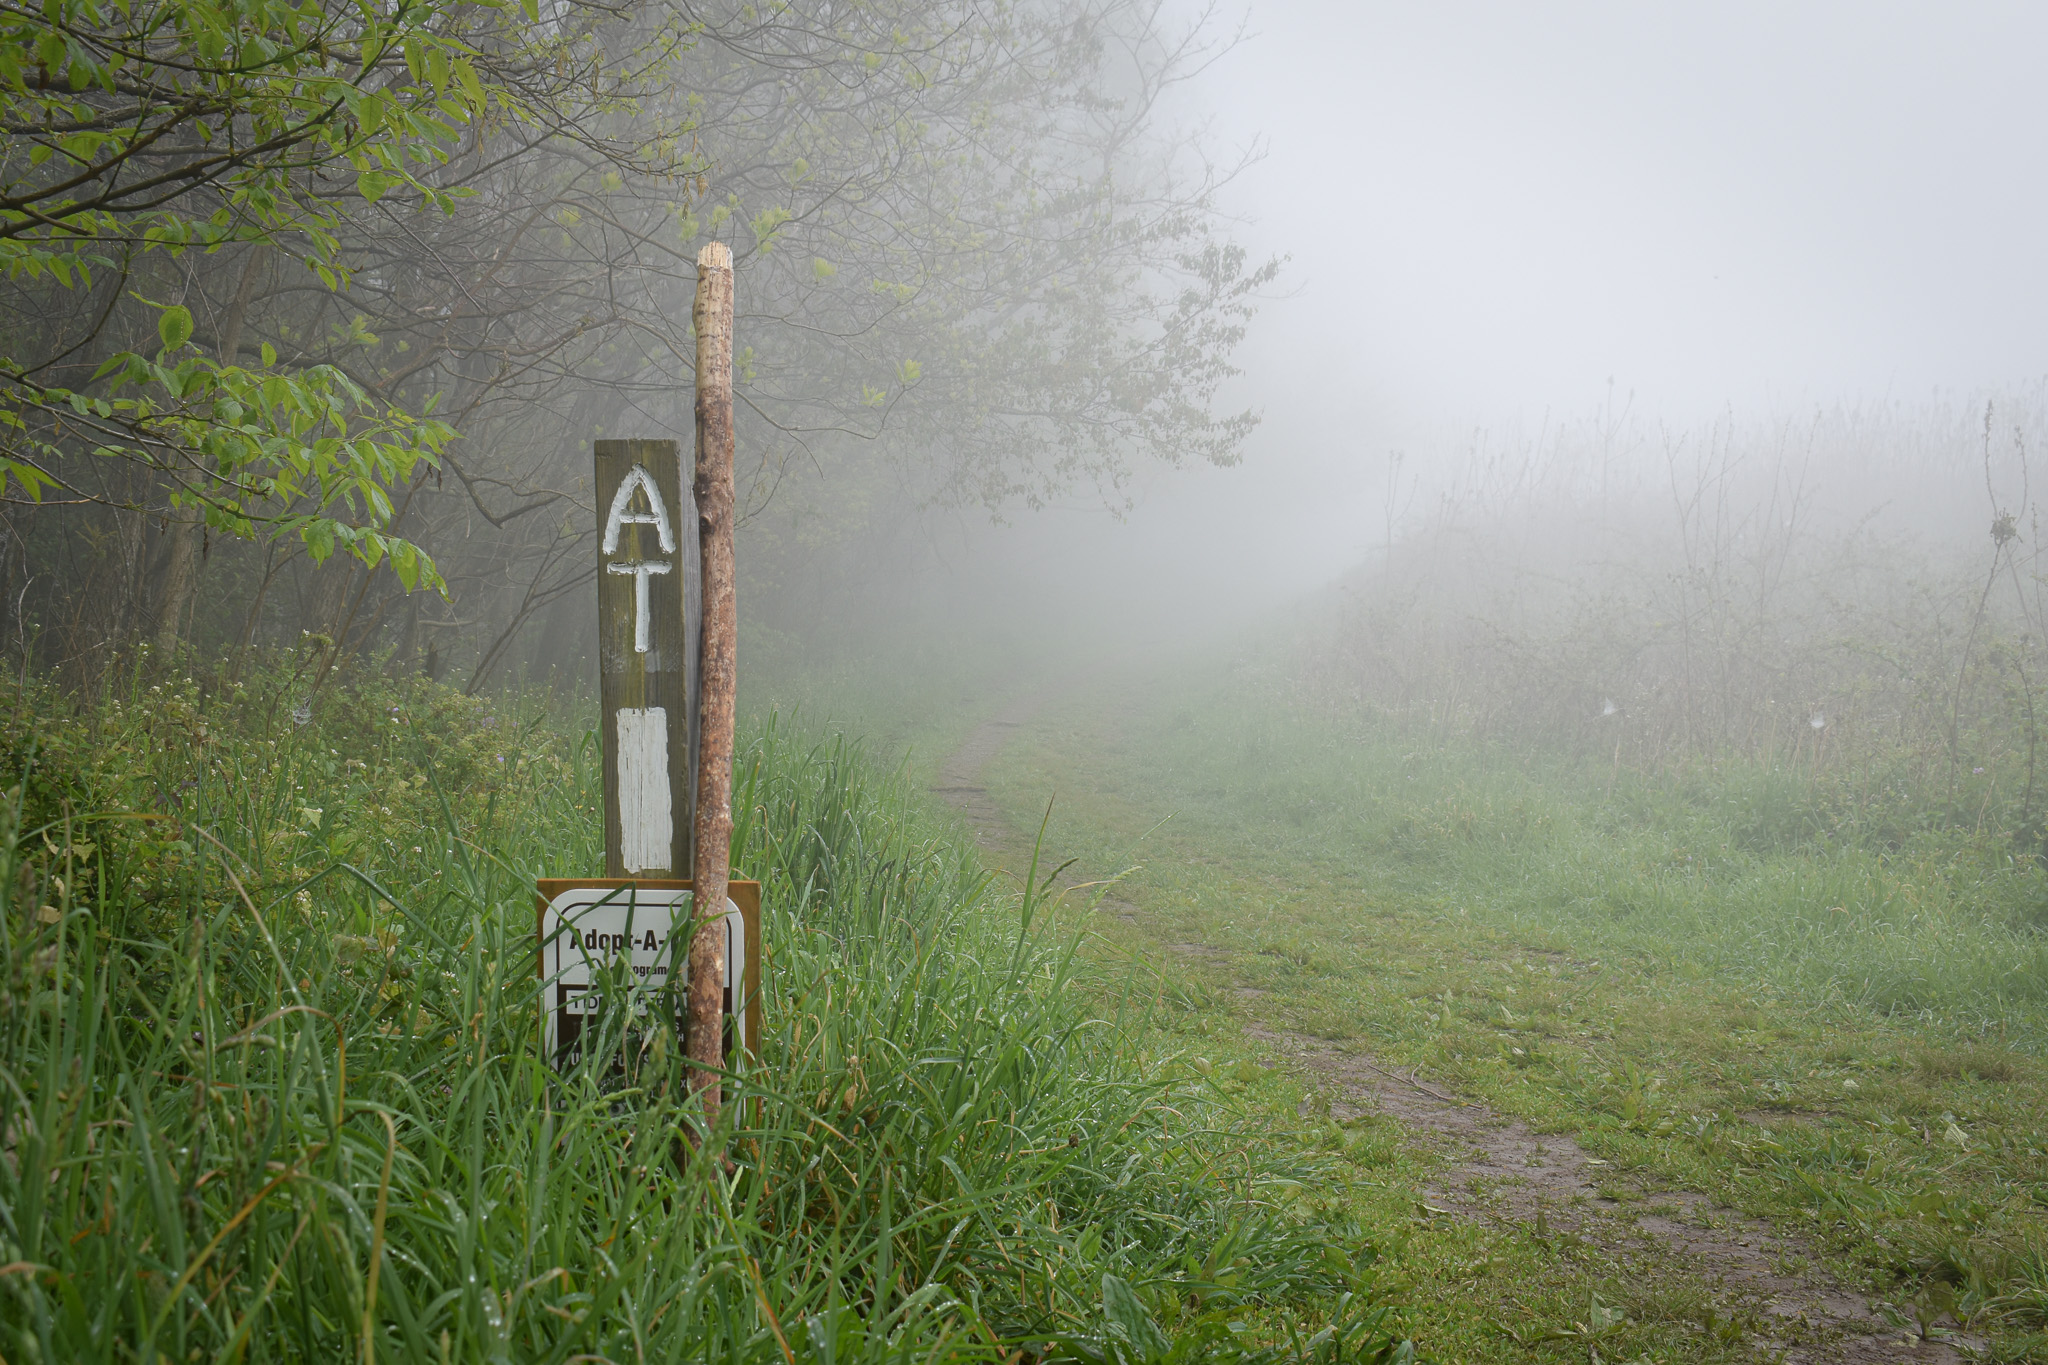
(1732, 867)
(270, 1068)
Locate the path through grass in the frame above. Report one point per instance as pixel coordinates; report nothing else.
(1725, 1023)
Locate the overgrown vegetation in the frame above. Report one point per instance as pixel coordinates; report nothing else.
(1842, 1038)
(269, 1037)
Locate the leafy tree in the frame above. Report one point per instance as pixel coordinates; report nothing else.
(977, 269)
(189, 126)
(139, 135)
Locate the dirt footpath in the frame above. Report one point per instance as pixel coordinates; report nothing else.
(960, 775)
(1498, 1170)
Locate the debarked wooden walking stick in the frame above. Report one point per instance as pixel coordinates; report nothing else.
(713, 314)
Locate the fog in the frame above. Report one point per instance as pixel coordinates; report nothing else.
(1459, 261)
(1504, 220)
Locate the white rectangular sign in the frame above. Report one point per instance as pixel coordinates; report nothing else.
(586, 931)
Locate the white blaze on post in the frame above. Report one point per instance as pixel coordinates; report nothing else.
(623, 515)
(646, 815)
(640, 569)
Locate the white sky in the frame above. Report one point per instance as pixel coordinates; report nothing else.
(1495, 209)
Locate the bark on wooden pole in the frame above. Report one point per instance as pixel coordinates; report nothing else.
(718, 669)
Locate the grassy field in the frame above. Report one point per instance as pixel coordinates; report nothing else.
(269, 1041)
(269, 1034)
(1682, 975)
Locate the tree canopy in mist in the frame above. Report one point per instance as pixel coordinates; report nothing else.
(299, 289)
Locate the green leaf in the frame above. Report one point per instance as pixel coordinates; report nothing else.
(32, 480)
(373, 185)
(175, 326)
(465, 75)
(1129, 1321)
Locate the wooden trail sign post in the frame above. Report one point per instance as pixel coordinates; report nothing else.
(667, 645)
(648, 621)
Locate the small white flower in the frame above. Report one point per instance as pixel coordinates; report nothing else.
(1819, 721)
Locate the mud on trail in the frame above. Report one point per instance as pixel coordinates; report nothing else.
(1499, 1170)
(1496, 1169)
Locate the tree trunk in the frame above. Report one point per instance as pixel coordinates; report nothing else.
(719, 673)
(181, 573)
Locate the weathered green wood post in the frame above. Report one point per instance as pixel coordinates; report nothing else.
(649, 622)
